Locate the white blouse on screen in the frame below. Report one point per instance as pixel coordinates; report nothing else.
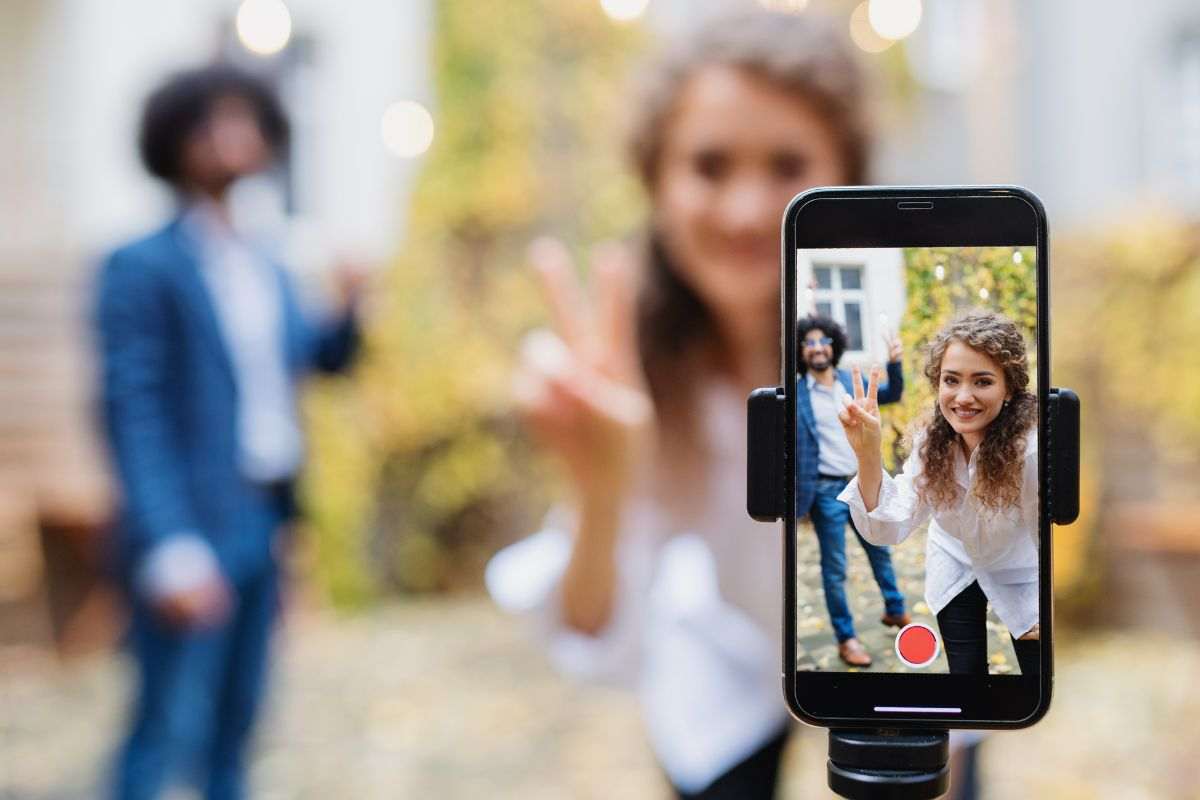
(696, 626)
(965, 543)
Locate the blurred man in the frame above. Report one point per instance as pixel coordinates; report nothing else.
(203, 347)
(825, 464)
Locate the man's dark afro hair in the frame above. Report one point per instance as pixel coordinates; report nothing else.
(182, 104)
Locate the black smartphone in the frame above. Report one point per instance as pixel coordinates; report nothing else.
(916, 386)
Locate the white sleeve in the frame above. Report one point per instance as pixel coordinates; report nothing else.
(181, 562)
(899, 512)
(525, 579)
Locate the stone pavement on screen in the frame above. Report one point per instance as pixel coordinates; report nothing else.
(816, 646)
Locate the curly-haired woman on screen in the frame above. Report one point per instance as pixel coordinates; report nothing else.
(973, 474)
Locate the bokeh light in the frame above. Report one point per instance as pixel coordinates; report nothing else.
(894, 19)
(406, 128)
(264, 26)
(863, 35)
(624, 10)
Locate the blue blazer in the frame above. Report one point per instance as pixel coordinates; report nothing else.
(169, 402)
(807, 449)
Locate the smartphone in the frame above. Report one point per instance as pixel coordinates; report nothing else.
(917, 560)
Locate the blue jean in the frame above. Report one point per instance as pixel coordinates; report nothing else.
(829, 518)
(198, 694)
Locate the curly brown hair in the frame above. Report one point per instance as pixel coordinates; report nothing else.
(1001, 453)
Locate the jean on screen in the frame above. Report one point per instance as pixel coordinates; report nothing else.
(830, 517)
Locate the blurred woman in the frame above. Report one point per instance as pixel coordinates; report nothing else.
(653, 574)
(973, 474)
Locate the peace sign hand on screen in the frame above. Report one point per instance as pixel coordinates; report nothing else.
(580, 387)
(860, 416)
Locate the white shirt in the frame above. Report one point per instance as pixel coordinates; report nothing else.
(247, 298)
(834, 454)
(696, 625)
(965, 543)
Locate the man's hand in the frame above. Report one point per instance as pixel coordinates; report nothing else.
(203, 606)
(350, 279)
(895, 348)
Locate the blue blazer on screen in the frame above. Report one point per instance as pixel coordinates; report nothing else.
(169, 402)
(807, 448)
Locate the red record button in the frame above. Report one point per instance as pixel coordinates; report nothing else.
(917, 645)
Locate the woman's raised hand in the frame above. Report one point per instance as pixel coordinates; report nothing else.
(580, 387)
(860, 417)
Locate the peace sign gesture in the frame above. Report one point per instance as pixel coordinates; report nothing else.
(860, 417)
(580, 387)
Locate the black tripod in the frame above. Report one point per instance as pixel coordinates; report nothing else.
(889, 764)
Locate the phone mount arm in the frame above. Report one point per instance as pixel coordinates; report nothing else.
(896, 764)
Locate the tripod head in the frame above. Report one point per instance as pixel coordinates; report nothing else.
(889, 764)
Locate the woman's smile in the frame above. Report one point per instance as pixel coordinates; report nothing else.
(964, 413)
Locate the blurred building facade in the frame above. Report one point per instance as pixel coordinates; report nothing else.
(862, 290)
(1094, 106)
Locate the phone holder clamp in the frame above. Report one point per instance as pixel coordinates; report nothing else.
(766, 493)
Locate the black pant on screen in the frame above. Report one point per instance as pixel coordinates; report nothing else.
(963, 624)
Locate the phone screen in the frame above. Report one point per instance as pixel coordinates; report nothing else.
(917, 545)
(932, 566)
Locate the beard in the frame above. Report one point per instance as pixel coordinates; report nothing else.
(819, 367)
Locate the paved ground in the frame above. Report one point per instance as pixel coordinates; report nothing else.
(448, 699)
(816, 646)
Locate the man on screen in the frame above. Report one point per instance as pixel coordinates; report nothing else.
(825, 463)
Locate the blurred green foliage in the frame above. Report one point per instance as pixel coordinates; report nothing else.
(419, 470)
(1125, 323)
(940, 283)
(1127, 318)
